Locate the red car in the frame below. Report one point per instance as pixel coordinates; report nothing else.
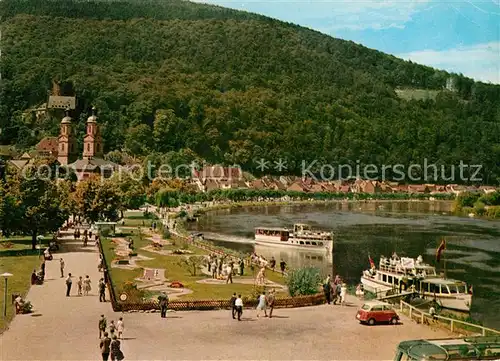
(373, 312)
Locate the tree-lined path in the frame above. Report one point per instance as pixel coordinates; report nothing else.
(61, 328)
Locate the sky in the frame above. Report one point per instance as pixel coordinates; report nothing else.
(460, 36)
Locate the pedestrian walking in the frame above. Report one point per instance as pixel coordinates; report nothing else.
(103, 323)
(242, 267)
(120, 327)
(229, 278)
(271, 299)
(80, 285)
(69, 283)
(163, 299)
(102, 290)
(61, 264)
(282, 267)
(272, 263)
(262, 305)
(232, 302)
(239, 307)
(338, 289)
(86, 286)
(343, 294)
(112, 328)
(90, 235)
(214, 269)
(327, 289)
(105, 346)
(116, 353)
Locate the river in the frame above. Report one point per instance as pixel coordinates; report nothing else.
(376, 228)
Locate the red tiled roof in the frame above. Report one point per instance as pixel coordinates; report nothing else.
(48, 144)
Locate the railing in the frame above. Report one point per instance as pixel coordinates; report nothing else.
(108, 279)
(454, 325)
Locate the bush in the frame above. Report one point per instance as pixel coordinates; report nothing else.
(166, 234)
(303, 281)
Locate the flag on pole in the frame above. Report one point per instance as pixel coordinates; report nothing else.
(372, 264)
(440, 250)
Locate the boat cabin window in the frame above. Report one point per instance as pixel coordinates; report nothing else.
(424, 287)
(301, 242)
(320, 243)
(389, 279)
(396, 281)
(313, 243)
(384, 278)
(308, 243)
(444, 289)
(433, 288)
(453, 289)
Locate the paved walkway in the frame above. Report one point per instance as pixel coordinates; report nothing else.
(60, 326)
(65, 328)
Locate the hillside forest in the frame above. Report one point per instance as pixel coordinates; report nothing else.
(175, 81)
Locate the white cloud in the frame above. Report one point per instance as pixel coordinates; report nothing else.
(479, 61)
(330, 15)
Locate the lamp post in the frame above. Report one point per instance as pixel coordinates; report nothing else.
(39, 239)
(5, 276)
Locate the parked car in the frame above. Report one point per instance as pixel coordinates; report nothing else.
(373, 312)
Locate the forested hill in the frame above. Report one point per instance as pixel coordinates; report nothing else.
(178, 80)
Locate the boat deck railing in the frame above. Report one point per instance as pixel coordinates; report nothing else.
(455, 326)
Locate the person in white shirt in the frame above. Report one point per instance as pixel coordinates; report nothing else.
(239, 307)
(262, 305)
(343, 294)
(120, 326)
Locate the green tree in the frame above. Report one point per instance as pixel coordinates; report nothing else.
(97, 200)
(41, 206)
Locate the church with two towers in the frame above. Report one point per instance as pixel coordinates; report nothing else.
(92, 161)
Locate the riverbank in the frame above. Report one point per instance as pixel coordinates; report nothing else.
(180, 212)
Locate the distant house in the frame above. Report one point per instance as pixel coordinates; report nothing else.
(370, 187)
(219, 173)
(258, 184)
(418, 188)
(276, 185)
(210, 184)
(344, 189)
(48, 147)
(297, 187)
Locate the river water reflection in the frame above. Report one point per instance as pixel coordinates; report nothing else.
(376, 228)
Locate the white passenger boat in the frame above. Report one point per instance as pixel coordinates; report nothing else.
(398, 275)
(302, 236)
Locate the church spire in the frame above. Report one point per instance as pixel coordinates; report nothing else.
(92, 143)
(66, 141)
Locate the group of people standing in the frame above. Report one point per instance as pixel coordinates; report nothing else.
(220, 266)
(87, 235)
(335, 291)
(265, 302)
(110, 341)
(261, 261)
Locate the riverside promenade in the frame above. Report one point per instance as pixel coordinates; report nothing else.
(66, 328)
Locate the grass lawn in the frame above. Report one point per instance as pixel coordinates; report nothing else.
(176, 272)
(19, 259)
